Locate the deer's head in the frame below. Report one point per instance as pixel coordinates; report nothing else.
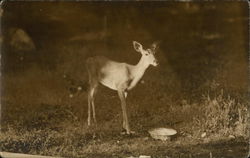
(148, 55)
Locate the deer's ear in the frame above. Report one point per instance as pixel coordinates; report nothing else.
(137, 46)
(155, 45)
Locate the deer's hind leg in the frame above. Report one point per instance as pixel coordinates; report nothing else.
(91, 104)
(93, 84)
(93, 92)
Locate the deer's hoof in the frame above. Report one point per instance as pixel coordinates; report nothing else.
(131, 132)
(124, 132)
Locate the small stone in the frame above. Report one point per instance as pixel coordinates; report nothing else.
(71, 95)
(231, 136)
(144, 156)
(145, 138)
(203, 135)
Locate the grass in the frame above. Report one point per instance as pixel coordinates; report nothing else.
(56, 124)
(225, 116)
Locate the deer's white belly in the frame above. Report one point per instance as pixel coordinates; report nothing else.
(110, 82)
(114, 76)
(109, 85)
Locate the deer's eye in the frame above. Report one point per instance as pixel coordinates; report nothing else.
(146, 54)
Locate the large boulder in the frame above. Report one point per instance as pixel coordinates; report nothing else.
(19, 40)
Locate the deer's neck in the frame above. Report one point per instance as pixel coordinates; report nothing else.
(137, 72)
(140, 68)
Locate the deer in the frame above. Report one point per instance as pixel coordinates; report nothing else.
(121, 77)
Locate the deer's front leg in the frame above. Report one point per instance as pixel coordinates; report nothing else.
(89, 109)
(122, 94)
(91, 104)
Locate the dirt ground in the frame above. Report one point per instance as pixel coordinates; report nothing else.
(179, 146)
(135, 147)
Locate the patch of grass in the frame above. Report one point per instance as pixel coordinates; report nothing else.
(223, 115)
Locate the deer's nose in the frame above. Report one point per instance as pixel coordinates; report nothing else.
(156, 62)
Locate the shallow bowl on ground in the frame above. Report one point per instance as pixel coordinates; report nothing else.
(162, 133)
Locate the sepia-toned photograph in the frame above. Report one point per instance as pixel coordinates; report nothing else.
(124, 79)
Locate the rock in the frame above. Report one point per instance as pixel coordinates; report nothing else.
(145, 138)
(19, 40)
(203, 135)
(79, 88)
(144, 156)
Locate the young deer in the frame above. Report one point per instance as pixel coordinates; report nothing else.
(117, 76)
